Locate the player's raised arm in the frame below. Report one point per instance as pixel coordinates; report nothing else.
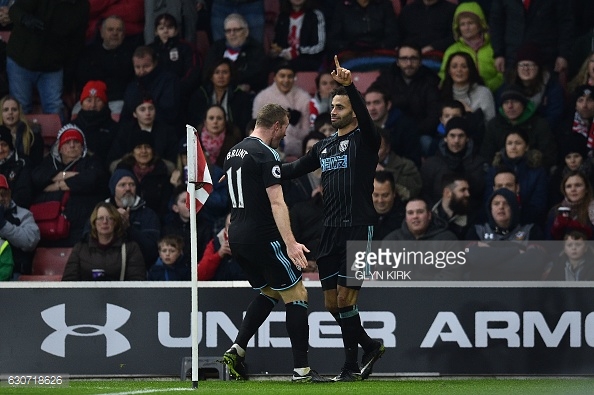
(343, 76)
(340, 74)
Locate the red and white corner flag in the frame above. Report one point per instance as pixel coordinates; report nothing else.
(199, 188)
(199, 178)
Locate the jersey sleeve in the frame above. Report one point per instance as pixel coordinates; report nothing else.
(271, 172)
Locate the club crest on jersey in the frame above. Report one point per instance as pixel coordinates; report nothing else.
(343, 145)
(276, 172)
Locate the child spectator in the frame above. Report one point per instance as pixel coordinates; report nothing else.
(175, 54)
(170, 265)
(576, 260)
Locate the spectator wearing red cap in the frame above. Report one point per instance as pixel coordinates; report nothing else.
(94, 119)
(531, 74)
(70, 168)
(12, 166)
(18, 228)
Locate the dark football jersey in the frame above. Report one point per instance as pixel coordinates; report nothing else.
(348, 166)
(252, 166)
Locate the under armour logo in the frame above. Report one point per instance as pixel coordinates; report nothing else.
(55, 343)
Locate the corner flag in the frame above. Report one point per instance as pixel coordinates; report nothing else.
(199, 177)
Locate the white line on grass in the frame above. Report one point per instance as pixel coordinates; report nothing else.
(149, 391)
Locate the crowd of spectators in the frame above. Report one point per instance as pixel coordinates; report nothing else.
(472, 98)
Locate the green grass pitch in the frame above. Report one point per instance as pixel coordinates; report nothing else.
(528, 386)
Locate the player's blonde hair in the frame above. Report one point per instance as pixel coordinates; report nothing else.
(270, 114)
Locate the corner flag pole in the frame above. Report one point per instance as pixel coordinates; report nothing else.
(192, 166)
(199, 188)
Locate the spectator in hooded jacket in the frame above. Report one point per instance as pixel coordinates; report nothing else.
(522, 258)
(472, 36)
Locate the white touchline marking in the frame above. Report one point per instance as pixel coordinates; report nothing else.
(147, 391)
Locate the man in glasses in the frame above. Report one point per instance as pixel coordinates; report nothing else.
(246, 53)
(413, 88)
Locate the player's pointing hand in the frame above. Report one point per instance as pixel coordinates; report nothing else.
(341, 75)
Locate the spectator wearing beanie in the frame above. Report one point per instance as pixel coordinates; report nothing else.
(144, 121)
(471, 32)
(150, 170)
(13, 168)
(70, 169)
(94, 119)
(517, 113)
(140, 222)
(455, 155)
(537, 83)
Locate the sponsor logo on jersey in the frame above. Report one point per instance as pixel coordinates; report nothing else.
(334, 162)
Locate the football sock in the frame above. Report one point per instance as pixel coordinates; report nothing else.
(365, 341)
(351, 329)
(256, 314)
(298, 330)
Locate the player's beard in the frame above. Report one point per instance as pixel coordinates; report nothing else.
(343, 122)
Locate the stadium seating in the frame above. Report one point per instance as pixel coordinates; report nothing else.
(364, 79)
(306, 80)
(5, 35)
(50, 261)
(50, 124)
